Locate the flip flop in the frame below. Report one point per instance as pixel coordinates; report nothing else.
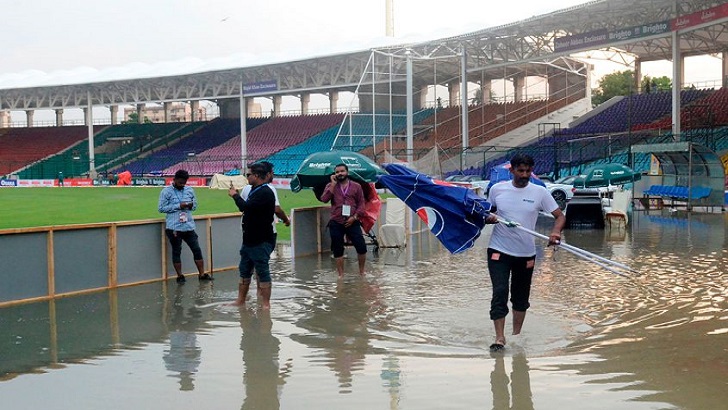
(497, 347)
(206, 276)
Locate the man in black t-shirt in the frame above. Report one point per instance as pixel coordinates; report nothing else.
(258, 237)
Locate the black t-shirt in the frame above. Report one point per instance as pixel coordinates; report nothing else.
(258, 213)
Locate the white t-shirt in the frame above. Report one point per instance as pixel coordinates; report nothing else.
(246, 192)
(520, 205)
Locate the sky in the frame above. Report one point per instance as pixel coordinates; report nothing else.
(49, 35)
(92, 40)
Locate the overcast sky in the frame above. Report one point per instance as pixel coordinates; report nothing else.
(92, 40)
(48, 35)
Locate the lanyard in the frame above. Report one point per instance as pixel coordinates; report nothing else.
(343, 193)
(254, 189)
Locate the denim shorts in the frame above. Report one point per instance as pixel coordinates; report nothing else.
(258, 257)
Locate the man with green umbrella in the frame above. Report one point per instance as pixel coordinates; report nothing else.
(347, 208)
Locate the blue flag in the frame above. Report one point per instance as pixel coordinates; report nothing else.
(454, 214)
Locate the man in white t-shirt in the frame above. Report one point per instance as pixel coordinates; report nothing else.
(512, 252)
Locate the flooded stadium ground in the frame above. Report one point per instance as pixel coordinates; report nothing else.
(412, 334)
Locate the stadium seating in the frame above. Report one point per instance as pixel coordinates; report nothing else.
(24, 146)
(213, 134)
(266, 139)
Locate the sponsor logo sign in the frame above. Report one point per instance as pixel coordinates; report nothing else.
(8, 183)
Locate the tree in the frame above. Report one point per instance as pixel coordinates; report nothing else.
(612, 85)
(621, 83)
(134, 118)
(655, 84)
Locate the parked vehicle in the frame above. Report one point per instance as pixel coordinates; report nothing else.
(562, 190)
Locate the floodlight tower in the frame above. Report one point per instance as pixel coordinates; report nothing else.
(389, 17)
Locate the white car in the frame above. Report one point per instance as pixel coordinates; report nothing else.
(562, 190)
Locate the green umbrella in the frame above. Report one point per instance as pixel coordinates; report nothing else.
(603, 175)
(317, 168)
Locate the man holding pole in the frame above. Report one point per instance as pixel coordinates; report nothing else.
(512, 252)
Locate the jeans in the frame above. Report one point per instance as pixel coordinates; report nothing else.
(190, 238)
(337, 232)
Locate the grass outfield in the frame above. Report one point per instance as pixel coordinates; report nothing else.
(32, 207)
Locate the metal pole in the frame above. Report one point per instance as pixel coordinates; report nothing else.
(676, 85)
(410, 118)
(243, 131)
(90, 125)
(464, 102)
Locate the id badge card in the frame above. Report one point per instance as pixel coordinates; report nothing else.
(183, 217)
(346, 210)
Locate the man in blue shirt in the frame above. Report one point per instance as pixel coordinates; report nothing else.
(178, 201)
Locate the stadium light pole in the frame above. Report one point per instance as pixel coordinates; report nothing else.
(410, 118)
(243, 130)
(90, 125)
(464, 102)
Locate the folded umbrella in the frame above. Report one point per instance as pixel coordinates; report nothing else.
(454, 214)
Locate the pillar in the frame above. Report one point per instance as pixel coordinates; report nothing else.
(486, 91)
(194, 111)
(167, 112)
(4, 119)
(85, 115)
(29, 117)
(333, 101)
(305, 99)
(453, 92)
(140, 113)
(277, 101)
(250, 107)
(724, 71)
(114, 110)
(638, 76)
(59, 117)
(519, 82)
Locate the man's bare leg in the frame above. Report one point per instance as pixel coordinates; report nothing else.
(243, 287)
(500, 337)
(178, 270)
(340, 266)
(264, 291)
(362, 258)
(518, 318)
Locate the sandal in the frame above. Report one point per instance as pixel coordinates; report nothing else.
(206, 276)
(499, 345)
(181, 279)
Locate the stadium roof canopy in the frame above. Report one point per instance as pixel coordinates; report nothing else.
(529, 45)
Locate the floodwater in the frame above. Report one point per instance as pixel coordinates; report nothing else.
(412, 334)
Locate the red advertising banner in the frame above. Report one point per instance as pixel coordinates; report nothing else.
(700, 17)
(193, 181)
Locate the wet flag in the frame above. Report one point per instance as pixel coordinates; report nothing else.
(454, 214)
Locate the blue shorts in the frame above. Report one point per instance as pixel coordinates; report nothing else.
(518, 271)
(258, 257)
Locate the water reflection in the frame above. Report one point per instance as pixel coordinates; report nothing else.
(183, 356)
(262, 378)
(413, 333)
(338, 324)
(519, 396)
